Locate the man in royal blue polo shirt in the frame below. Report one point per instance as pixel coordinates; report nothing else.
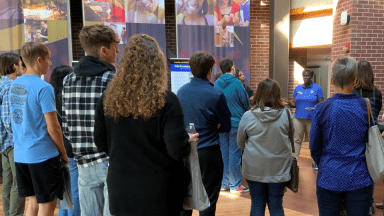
(305, 97)
(206, 107)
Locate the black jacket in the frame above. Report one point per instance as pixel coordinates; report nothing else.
(145, 160)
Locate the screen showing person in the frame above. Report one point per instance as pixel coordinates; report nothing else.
(245, 13)
(43, 34)
(117, 11)
(224, 36)
(145, 11)
(194, 12)
(123, 36)
(227, 12)
(29, 34)
(120, 29)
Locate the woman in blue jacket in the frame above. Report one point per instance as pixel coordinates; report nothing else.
(337, 142)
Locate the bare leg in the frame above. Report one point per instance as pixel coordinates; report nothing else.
(33, 207)
(47, 209)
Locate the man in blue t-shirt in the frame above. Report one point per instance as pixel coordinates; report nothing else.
(305, 98)
(38, 141)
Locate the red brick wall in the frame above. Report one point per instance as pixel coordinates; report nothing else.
(77, 24)
(342, 34)
(291, 82)
(367, 36)
(170, 35)
(170, 28)
(365, 32)
(259, 39)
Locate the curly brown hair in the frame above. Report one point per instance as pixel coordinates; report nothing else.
(138, 89)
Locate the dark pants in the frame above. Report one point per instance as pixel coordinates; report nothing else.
(211, 167)
(357, 202)
(263, 193)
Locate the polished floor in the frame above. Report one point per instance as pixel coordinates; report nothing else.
(303, 203)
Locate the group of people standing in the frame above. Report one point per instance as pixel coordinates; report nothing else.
(122, 134)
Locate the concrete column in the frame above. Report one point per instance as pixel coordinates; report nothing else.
(279, 43)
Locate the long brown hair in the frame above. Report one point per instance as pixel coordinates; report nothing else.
(365, 76)
(268, 94)
(138, 88)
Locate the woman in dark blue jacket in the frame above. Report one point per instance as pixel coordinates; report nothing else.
(338, 135)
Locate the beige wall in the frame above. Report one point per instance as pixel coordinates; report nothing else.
(311, 32)
(295, 4)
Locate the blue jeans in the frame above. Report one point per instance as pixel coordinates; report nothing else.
(263, 193)
(357, 202)
(232, 160)
(93, 190)
(74, 172)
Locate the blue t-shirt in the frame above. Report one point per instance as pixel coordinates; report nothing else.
(30, 98)
(245, 12)
(306, 98)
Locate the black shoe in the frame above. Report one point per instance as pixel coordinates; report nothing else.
(371, 210)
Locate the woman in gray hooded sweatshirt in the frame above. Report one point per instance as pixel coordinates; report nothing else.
(263, 135)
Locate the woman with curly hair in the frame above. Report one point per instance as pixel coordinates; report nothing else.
(141, 127)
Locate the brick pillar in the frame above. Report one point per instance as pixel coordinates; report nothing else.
(342, 34)
(259, 41)
(364, 32)
(367, 44)
(170, 35)
(170, 28)
(77, 25)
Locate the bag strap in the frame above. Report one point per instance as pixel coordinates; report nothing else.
(370, 114)
(290, 133)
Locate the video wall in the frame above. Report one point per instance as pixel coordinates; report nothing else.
(43, 21)
(127, 18)
(220, 27)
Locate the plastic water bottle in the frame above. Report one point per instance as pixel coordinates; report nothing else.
(192, 130)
